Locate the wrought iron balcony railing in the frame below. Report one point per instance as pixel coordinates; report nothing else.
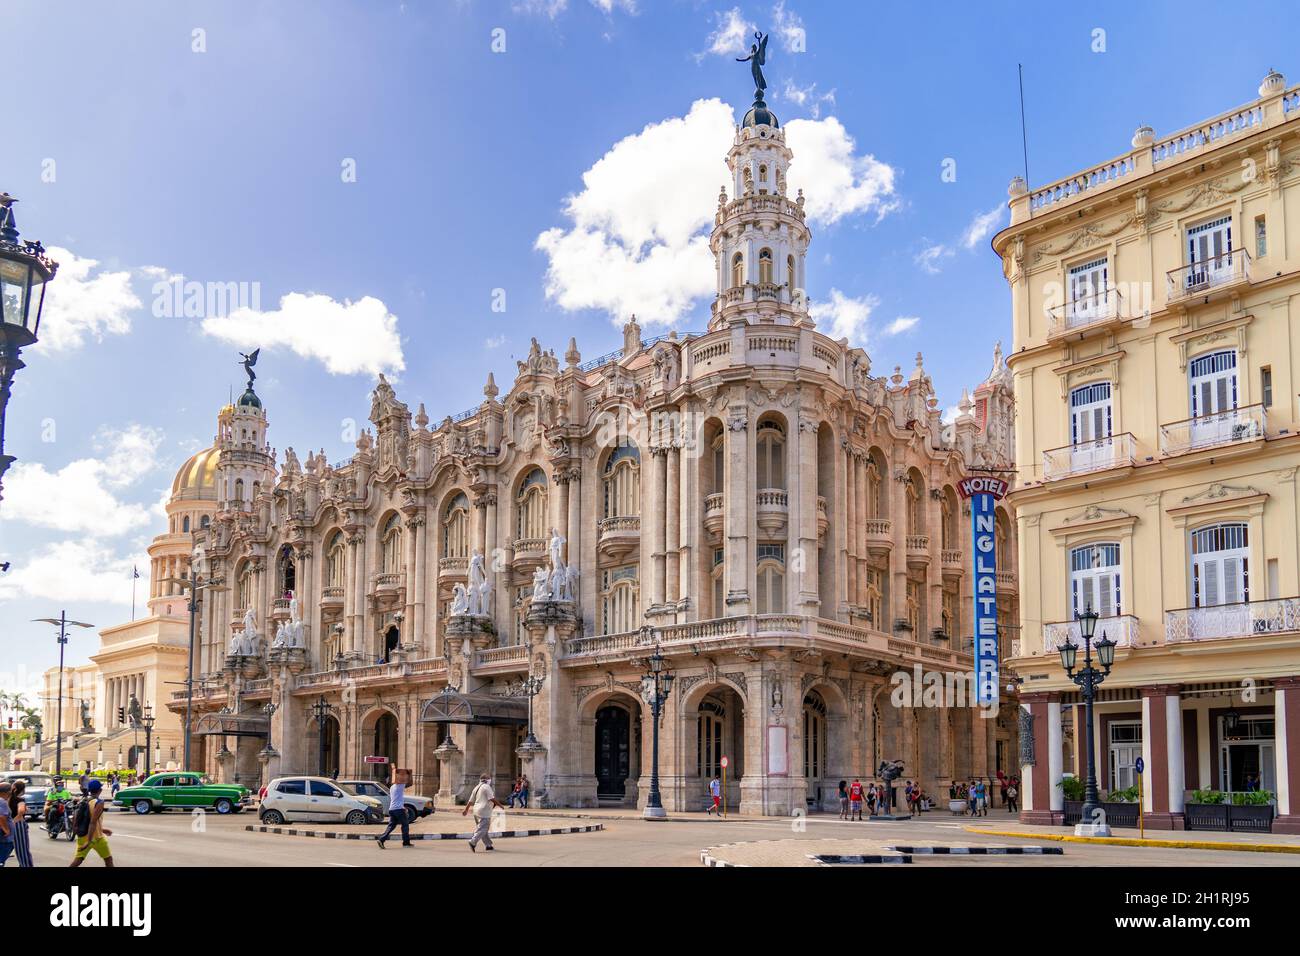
(1198, 278)
(1249, 619)
(1231, 427)
(1113, 451)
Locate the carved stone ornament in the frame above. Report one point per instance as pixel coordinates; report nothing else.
(1027, 758)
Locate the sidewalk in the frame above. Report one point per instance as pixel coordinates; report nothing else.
(1130, 836)
(631, 813)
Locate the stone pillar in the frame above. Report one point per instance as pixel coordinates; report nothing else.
(554, 766)
(863, 512)
(801, 466)
(408, 633)
(739, 508)
(1041, 800)
(652, 507)
(1162, 752)
(672, 525)
(492, 541)
(420, 632)
(1286, 749)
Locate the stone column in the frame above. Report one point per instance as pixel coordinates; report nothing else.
(1286, 749)
(672, 525)
(554, 766)
(801, 465)
(652, 535)
(421, 633)
(1041, 800)
(1162, 752)
(739, 508)
(689, 503)
(408, 632)
(863, 512)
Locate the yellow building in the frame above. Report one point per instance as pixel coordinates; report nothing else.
(1155, 347)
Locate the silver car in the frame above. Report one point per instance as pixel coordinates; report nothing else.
(416, 805)
(38, 784)
(316, 799)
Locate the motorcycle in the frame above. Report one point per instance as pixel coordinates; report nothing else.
(59, 821)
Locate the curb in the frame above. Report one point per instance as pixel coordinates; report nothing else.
(708, 860)
(982, 850)
(830, 859)
(495, 834)
(1134, 841)
(683, 818)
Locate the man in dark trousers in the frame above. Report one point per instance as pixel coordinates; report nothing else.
(397, 809)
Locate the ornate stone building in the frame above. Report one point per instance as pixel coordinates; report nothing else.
(752, 501)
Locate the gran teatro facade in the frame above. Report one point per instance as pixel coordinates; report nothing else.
(752, 502)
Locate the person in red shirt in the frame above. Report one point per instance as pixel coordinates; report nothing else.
(855, 800)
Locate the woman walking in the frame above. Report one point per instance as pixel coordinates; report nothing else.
(18, 814)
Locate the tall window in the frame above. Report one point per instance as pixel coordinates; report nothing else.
(1095, 579)
(915, 517)
(765, 266)
(708, 729)
(1213, 380)
(789, 271)
(531, 502)
(717, 577)
(455, 528)
(771, 455)
(391, 544)
(814, 735)
(620, 612)
(875, 488)
(914, 605)
(1088, 284)
(1209, 251)
(948, 523)
(622, 482)
(951, 623)
(335, 556)
(1221, 564)
(771, 579)
(719, 463)
(737, 270)
(244, 592)
(1090, 413)
(873, 598)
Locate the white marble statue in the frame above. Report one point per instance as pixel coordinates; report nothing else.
(293, 630)
(237, 644)
(557, 551)
(541, 585)
(479, 586)
(251, 634)
(459, 600)
(281, 636)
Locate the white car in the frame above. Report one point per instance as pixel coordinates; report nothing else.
(416, 805)
(315, 799)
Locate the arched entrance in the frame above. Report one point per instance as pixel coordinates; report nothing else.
(392, 638)
(814, 746)
(383, 743)
(715, 728)
(613, 752)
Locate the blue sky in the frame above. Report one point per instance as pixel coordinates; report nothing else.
(143, 149)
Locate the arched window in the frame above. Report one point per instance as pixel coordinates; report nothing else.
(771, 455)
(915, 514)
(718, 576)
(622, 485)
(872, 599)
(391, 544)
(239, 491)
(1094, 579)
(875, 489)
(709, 728)
(814, 734)
(1002, 540)
(762, 174)
(948, 521)
(335, 556)
(737, 270)
(620, 612)
(914, 606)
(455, 528)
(1221, 564)
(771, 579)
(286, 571)
(205, 522)
(531, 506)
(789, 271)
(244, 588)
(719, 464)
(765, 266)
(185, 523)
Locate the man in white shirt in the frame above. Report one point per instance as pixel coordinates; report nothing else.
(481, 800)
(397, 811)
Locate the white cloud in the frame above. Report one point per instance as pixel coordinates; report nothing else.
(346, 337)
(837, 182)
(731, 33)
(637, 240)
(494, 341)
(75, 572)
(83, 495)
(83, 301)
(904, 323)
(982, 226)
(807, 97)
(844, 317)
(548, 8)
(930, 257)
(789, 28)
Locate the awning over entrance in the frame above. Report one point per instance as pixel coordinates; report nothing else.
(233, 725)
(453, 707)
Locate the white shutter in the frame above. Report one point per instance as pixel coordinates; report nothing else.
(1089, 595)
(1232, 581)
(1106, 595)
(1209, 583)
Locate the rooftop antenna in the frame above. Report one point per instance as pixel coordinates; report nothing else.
(1024, 138)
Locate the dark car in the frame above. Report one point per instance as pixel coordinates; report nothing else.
(38, 784)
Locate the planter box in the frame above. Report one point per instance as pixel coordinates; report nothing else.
(1226, 816)
(1117, 814)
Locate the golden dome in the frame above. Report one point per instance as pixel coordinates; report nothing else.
(197, 478)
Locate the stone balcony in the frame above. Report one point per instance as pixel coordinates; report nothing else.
(1209, 279)
(387, 583)
(501, 660)
(331, 596)
(715, 515)
(1122, 629)
(918, 550)
(952, 562)
(618, 536)
(1233, 621)
(280, 609)
(453, 567)
(1006, 581)
(1101, 454)
(880, 535)
(529, 552)
(1237, 426)
(772, 511)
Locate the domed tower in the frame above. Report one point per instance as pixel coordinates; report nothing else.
(190, 508)
(760, 237)
(247, 463)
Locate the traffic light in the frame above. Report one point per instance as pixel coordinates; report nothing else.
(121, 715)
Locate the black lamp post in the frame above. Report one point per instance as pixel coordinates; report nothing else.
(1089, 679)
(321, 710)
(531, 685)
(658, 684)
(24, 270)
(147, 721)
(63, 622)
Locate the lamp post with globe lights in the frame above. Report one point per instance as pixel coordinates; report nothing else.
(1089, 678)
(656, 686)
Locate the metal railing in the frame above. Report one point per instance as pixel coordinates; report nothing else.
(1249, 619)
(1084, 311)
(1113, 451)
(1197, 278)
(1122, 629)
(1230, 427)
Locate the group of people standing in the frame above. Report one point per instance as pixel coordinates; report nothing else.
(854, 795)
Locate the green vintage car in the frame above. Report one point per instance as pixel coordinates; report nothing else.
(184, 790)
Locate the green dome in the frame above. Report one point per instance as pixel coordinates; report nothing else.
(249, 399)
(760, 115)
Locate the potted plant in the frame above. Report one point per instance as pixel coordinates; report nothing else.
(1216, 810)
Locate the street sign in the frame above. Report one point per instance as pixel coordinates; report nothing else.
(725, 763)
(983, 493)
(1140, 765)
(376, 760)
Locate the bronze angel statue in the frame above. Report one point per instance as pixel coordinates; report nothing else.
(756, 60)
(248, 362)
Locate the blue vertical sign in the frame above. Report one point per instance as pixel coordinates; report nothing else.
(983, 494)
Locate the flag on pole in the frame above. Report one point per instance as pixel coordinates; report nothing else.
(135, 572)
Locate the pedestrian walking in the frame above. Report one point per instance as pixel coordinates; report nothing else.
(397, 810)
(972, 806)
(856, 794)
(715, 791)
(844, 800)
(524, 787)
(1013, 794)
(481, 800)
(90, 829)
(982, 798)
(18, 817)
(115, 783)
(6, 824)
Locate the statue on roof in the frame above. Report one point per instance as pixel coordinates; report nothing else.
(248, 362)
(756, 59)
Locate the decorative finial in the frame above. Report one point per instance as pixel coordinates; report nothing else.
(490, 390)
(571, 355)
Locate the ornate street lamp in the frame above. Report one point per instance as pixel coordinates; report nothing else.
(24, 270)
(147, 721)
(657, 685)
(63, 622)
(1089, 679)
(531, 685)
(1231, 723)
(321, 710)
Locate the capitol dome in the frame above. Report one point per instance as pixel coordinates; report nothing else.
(197, 478)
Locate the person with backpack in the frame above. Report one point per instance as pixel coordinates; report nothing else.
(88, 822)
